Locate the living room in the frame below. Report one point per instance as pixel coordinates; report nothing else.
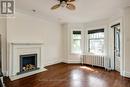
(65, 43)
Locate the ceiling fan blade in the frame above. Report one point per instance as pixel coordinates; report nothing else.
(71, 0)
(55, 7)
(70, 6)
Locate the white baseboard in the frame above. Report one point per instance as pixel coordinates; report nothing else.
(73, 61)
(65, 61)
(126, 74)
(52, 62)
(12, 78)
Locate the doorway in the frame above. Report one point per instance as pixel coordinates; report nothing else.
(117, 40)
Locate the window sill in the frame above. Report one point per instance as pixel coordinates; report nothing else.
(95, 54)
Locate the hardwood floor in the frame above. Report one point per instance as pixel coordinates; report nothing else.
(68, 75)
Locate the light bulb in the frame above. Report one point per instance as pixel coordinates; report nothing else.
(63, 4)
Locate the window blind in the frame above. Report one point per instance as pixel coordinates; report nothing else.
(95, 31)
(76, 32)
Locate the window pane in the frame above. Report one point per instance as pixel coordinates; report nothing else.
(76, 43)
(96, 43)
(76, 36)
(117, 43)
(76, 46)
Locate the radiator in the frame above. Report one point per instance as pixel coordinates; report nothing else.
(94, 60)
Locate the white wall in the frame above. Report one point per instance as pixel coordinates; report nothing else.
(26, 28)
(65, 43)
(126, 24)
(70, 57)
(3, 47)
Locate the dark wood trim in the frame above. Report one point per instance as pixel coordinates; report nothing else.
(95, 31)
(115, 25)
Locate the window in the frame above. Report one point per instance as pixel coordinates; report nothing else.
(76, 42)
(96, 41)
(117, 41)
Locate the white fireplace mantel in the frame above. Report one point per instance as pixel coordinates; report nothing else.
(17, 49)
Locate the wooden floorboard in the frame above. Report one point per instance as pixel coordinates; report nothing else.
(71, 75)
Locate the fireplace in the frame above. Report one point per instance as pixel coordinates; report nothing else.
(28, 62)
(29, 52)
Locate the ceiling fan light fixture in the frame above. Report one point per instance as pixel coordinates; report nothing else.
(63, 4)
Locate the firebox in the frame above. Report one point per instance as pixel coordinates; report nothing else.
(28, 62)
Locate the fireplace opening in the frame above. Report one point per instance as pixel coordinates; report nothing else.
(28, 62)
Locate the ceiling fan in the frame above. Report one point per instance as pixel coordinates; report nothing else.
(64, 3)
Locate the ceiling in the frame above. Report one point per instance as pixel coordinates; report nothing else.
(86, 10)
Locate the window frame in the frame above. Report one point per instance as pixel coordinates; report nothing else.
(88, 41)
(81, 43)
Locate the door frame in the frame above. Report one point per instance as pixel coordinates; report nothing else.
(113, 27)
(122, 56)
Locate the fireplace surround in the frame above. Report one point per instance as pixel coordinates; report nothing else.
(32, 53)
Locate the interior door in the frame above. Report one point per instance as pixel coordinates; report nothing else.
(117, 47)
